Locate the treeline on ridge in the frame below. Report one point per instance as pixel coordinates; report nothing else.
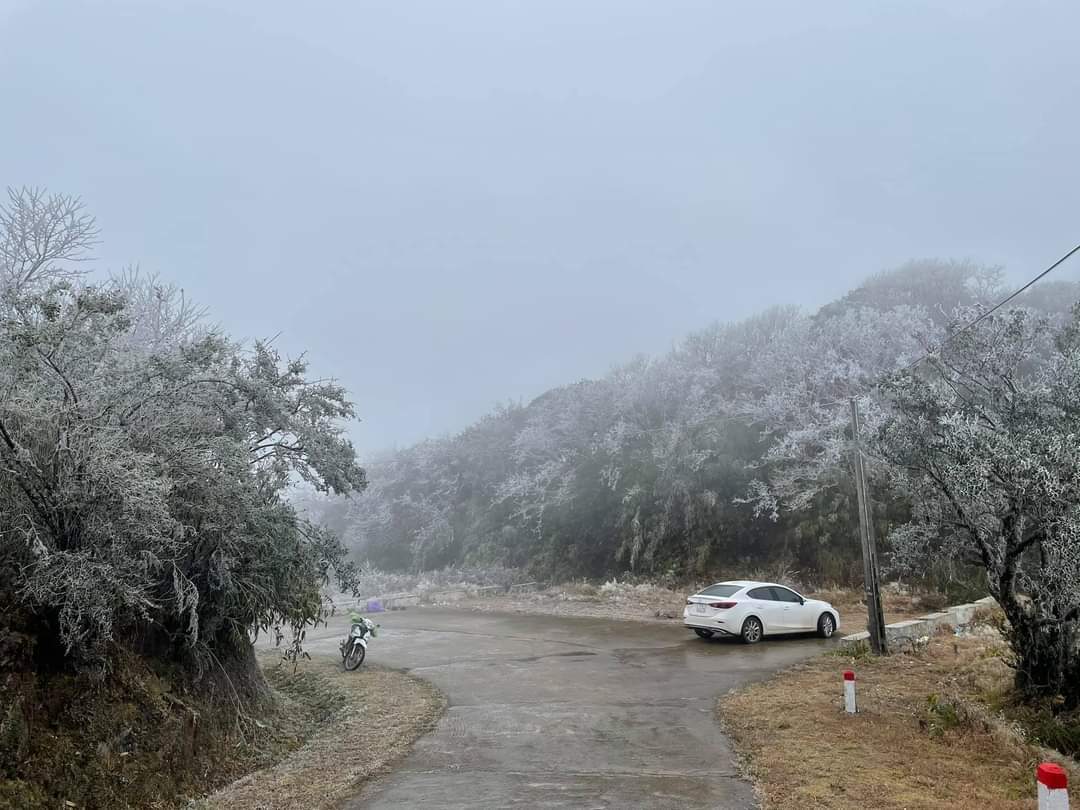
(659, 468)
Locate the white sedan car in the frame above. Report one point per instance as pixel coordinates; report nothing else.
(753, 610)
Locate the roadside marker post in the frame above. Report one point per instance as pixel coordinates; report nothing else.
(1053, 787)
(849, 696)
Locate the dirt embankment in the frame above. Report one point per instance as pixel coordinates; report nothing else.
(137, 739)
(144, 735)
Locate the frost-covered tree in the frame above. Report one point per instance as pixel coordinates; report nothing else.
(143, 461)
(643, 469)
(985, 440)
(43, 237)
(799, 396)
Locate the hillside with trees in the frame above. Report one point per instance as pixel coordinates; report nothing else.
(732, 454)
(727, 454)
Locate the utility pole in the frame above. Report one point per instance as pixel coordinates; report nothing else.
(876, 619)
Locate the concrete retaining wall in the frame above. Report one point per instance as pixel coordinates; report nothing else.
(913, 629)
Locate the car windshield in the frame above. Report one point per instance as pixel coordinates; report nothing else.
(720, 590)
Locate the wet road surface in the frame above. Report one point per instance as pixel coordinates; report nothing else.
(560, 712)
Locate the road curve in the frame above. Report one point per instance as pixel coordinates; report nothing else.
(559, 712)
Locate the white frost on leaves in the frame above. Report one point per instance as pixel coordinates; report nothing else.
(984, 443)
(143, 455)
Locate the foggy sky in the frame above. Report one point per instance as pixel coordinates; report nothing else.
(454, 203)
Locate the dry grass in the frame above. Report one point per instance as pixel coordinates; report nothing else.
(923, 737)
(379, 713)
(146, 737)
(641, 602)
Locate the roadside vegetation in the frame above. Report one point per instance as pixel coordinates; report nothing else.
(145, 534)
(940, 726)
(139, 738)
(134, 740)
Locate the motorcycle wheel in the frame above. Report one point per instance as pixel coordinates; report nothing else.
(354, 656)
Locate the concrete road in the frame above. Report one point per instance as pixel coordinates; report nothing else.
(557, 712)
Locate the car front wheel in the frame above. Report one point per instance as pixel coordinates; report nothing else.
(752, 630)
(354, 656)
(703, 633)
(826, 625)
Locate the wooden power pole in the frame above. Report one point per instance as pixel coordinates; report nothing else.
(876, 619)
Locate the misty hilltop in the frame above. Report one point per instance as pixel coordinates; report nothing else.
(658, 466)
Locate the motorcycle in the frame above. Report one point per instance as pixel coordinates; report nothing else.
(354, 647)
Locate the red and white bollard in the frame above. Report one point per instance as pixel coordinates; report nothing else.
(849, 692)
(1053, 787)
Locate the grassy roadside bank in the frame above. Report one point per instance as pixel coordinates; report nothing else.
(371, 718)
(138, 740)
(935, 730)
(145, 737)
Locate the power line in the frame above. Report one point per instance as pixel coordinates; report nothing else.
(965, 327)
(990, 311)
(845, 400)
(876, 624)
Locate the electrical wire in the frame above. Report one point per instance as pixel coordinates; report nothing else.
(965, 327)
(990, 311)
(909, 366)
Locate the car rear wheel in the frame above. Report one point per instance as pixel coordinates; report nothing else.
(826, 625)
(703, 633)
(752, 630)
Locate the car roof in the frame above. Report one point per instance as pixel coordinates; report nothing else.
(743, 583)
(749, 583)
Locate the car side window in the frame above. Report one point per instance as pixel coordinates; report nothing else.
(762, 593)
(784, 595)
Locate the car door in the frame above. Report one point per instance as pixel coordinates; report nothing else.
(795, 615)
(770, 611)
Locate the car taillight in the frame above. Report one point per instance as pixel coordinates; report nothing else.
(722, 605)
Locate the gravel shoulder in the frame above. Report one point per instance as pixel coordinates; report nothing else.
(370, 720)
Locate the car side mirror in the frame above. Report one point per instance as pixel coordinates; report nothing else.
(802, 601)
